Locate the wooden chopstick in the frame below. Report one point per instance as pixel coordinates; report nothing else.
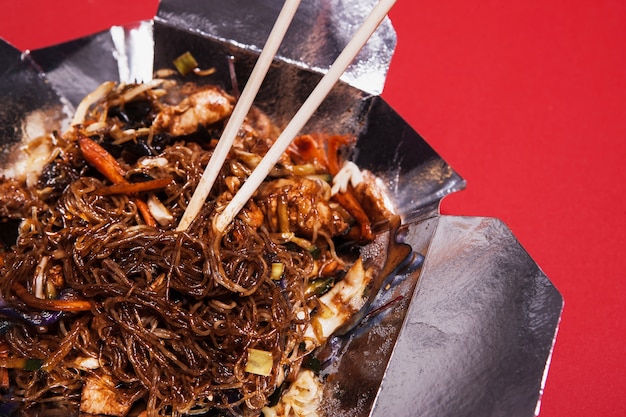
(305, 112)
(239, 113)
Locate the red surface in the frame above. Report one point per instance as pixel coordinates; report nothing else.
(527, 101)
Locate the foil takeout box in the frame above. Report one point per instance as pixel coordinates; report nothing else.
(473, 330)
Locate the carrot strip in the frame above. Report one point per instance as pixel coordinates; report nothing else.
(350, 203)
(50, 305)
(4, 374)
(107, 165)
(307, 149)
(347, 199)
(134, 187)
(334, 143)
(20, 363)
(103, 161)
(143, 208)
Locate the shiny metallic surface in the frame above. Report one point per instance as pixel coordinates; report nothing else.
(468, 333)
(134, 46)
(480, 329)
(319, 31)
(361, 357)
(24, 94)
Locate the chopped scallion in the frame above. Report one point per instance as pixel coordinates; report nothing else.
(321, 177)
(260, 362)
(282, 211)
(21, 363)
(185, 63)
(304, 169)
(277, 270)
(319, 286)
(303, 243)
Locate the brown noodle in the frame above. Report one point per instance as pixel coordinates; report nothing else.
(172, 314)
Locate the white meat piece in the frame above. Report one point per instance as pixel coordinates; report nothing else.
(339, 304)
(302, 399)
(200, 106)
(100, 397)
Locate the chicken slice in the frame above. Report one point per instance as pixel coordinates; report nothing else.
(99, 397)
(339, 304)
(200, 106)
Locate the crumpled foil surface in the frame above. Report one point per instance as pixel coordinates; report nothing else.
(467, 333)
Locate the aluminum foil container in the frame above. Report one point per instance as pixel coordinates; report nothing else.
(470, 331)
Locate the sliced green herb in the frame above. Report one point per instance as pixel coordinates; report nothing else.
(277, 270)
(185, 63)
(304, 169)
(21, 363)
(259, 362)
(319, 286)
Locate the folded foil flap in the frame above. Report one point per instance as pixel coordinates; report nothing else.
(483, 320)
(29, 103)
(319, 31)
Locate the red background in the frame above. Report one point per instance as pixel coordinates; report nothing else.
(527, 101)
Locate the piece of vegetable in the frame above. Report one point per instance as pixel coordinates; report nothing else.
(312, 363)
(159, 211)
(135, 187)
(319, 286)
(52, 305)
(282, 211)
(304, 169)
(277, 270)
(185, 63)
(101, 160)
(91, 98)
(260, 362)
(321, 177)
(303, 243)
(36, 318)
(108, 166)
(350, 203)
(27, 364)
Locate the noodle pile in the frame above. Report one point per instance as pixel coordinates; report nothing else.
(97, 293)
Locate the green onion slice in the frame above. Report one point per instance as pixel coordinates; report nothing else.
(277, 270)
(21, 363)
(185, 63)
(260, 362)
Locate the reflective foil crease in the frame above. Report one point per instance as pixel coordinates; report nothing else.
(467, 332)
